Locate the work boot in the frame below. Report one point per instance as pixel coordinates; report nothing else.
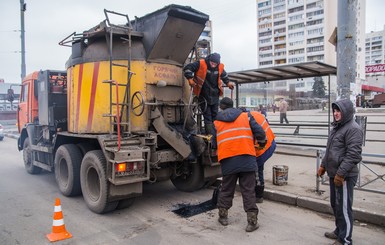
(259, 189)
(223, 216)
(252, 222)
(331, 235)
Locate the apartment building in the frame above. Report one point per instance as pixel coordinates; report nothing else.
(296, 31)
(375, 63)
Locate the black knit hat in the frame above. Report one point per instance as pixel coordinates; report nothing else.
(225, 103)
(215, 57)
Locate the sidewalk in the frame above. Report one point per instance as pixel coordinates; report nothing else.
(368, 207)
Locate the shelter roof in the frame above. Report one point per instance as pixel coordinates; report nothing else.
(284, 72)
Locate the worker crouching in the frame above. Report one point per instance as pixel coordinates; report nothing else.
(236, 132)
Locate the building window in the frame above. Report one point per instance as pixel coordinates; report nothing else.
(253, 101)
(264, 4)
(296, 34)
(277, 23)
(295, 43)
(264, 63)
(296, 26)
(297, 60)
(315, 40)
(297, 9)
(314, 22)
(317, 31)
(296, 17)
(315, 49)
(279, 15)
(296, 51)
(314, 13)
(242, 101)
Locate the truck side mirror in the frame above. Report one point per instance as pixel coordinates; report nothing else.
(10, 95)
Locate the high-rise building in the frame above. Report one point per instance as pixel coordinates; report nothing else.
(375, 63)
(295, 31)
(374, 47)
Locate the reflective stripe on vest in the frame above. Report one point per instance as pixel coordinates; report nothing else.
(234, 138)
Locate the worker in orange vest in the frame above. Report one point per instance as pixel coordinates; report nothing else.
(263, 153)
(236, 133)
(206, 77)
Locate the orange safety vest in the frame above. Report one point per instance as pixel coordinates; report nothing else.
(261, 120)
(200, 77)
(234, 138)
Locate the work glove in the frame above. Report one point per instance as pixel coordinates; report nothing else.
(191, 82)
(321, 171)
(261, 144)
(338, 180)
(230, 85)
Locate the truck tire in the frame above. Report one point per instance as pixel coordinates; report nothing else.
(125, 203)
(67, 169)
(94, 182)
(85, 147)
(27, 157)
(191, 179)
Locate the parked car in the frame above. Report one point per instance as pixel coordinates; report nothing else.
(1, 132)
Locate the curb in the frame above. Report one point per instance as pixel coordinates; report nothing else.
(322, 206)
(13, 136)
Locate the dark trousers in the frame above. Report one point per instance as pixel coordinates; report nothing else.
(261, 163)
(282, 116)
(247, 187)
(341, 200)
(210, 113)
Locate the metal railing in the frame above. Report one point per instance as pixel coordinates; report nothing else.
(363, 182)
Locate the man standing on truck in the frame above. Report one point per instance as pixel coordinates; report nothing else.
(205, 76)
(236, 133)
(343, 153)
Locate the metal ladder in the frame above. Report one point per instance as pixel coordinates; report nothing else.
(124, 106)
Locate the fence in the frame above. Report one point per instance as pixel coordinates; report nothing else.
(371, 180)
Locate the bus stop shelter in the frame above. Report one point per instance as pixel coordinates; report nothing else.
(282, 72)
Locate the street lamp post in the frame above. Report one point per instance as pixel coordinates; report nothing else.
(23, 8)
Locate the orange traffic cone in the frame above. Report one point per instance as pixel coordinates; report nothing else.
(59, 231)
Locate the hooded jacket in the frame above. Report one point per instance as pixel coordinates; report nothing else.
(209, 80)
(235, 161)
(344, 146)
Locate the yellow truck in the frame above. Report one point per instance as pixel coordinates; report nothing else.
(121, 113)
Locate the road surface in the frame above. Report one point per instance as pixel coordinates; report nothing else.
(27, 204)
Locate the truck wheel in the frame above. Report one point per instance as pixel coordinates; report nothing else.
(94, 183)
(27, 157)
(190, 179)
(125, 203)
(67, 169)
(85, 147)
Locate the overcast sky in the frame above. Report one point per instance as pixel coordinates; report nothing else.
(49, 21)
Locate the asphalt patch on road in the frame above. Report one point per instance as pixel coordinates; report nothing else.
(186, 210)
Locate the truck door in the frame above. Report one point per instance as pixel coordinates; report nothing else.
(22, 114)
(28, 106)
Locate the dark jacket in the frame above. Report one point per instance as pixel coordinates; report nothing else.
(242, 163)
(210, 90)
(344, 146)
